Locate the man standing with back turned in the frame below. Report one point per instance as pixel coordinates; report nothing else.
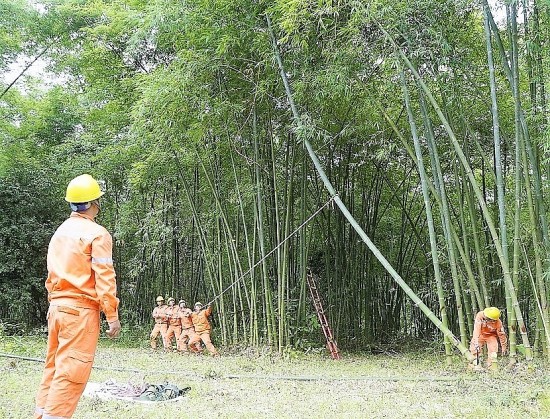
(81, 282)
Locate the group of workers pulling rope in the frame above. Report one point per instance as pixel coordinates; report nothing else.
(188, 327)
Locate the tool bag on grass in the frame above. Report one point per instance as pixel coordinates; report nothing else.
(162, 392)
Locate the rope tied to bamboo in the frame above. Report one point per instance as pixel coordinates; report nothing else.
(274, 249)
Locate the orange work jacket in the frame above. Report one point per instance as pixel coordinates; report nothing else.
(80, 266)
(200, 319)
(484, 328)
(159, 315)
(172, 316)
(185, 316)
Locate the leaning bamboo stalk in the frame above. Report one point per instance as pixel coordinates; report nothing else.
(477, 246)
(328, 185)
(477, 302)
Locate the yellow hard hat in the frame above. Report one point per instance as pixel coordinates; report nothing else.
(171, 299)
(198, 303)
(83, 188)
(492, 313)
(160, 298)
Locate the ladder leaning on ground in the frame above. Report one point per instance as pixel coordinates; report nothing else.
(316, 298)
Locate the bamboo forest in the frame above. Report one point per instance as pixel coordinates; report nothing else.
(398, 152)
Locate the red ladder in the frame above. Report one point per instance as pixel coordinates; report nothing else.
(314, 292)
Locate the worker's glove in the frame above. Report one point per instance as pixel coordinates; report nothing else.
(114, 329)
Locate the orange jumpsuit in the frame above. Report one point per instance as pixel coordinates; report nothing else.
(187, 330)
(174, 326)
(486, 331)
(161, 326)
(81, 282)
(202, 329)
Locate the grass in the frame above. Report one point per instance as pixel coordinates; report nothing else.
(359, 386)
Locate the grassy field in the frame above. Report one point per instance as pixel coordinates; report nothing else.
(262, 385)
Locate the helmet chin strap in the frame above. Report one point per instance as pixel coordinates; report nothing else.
(80, 206)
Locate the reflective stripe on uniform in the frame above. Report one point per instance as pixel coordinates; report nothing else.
(39, 410)
(46, 416)
(102, 260)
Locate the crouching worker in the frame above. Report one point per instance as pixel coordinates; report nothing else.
(202, 328)
(161, 325)
(81, 282)
(488, 330)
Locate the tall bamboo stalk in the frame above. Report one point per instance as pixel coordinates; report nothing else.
(259, 210)
(446, 223)
(512, 74)
(464, 257)
(477, 191)
(429, 216)
(541, 299)
(499, 178)
(252, 300)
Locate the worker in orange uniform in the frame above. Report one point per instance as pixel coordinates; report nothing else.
(161, 324)
(202, 328)
(488, 330)
(81, 282)
(174, 324)
(187, 328)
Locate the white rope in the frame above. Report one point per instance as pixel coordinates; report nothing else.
(274, 249)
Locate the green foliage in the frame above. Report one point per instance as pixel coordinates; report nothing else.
(16, 23)
(28, 219)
